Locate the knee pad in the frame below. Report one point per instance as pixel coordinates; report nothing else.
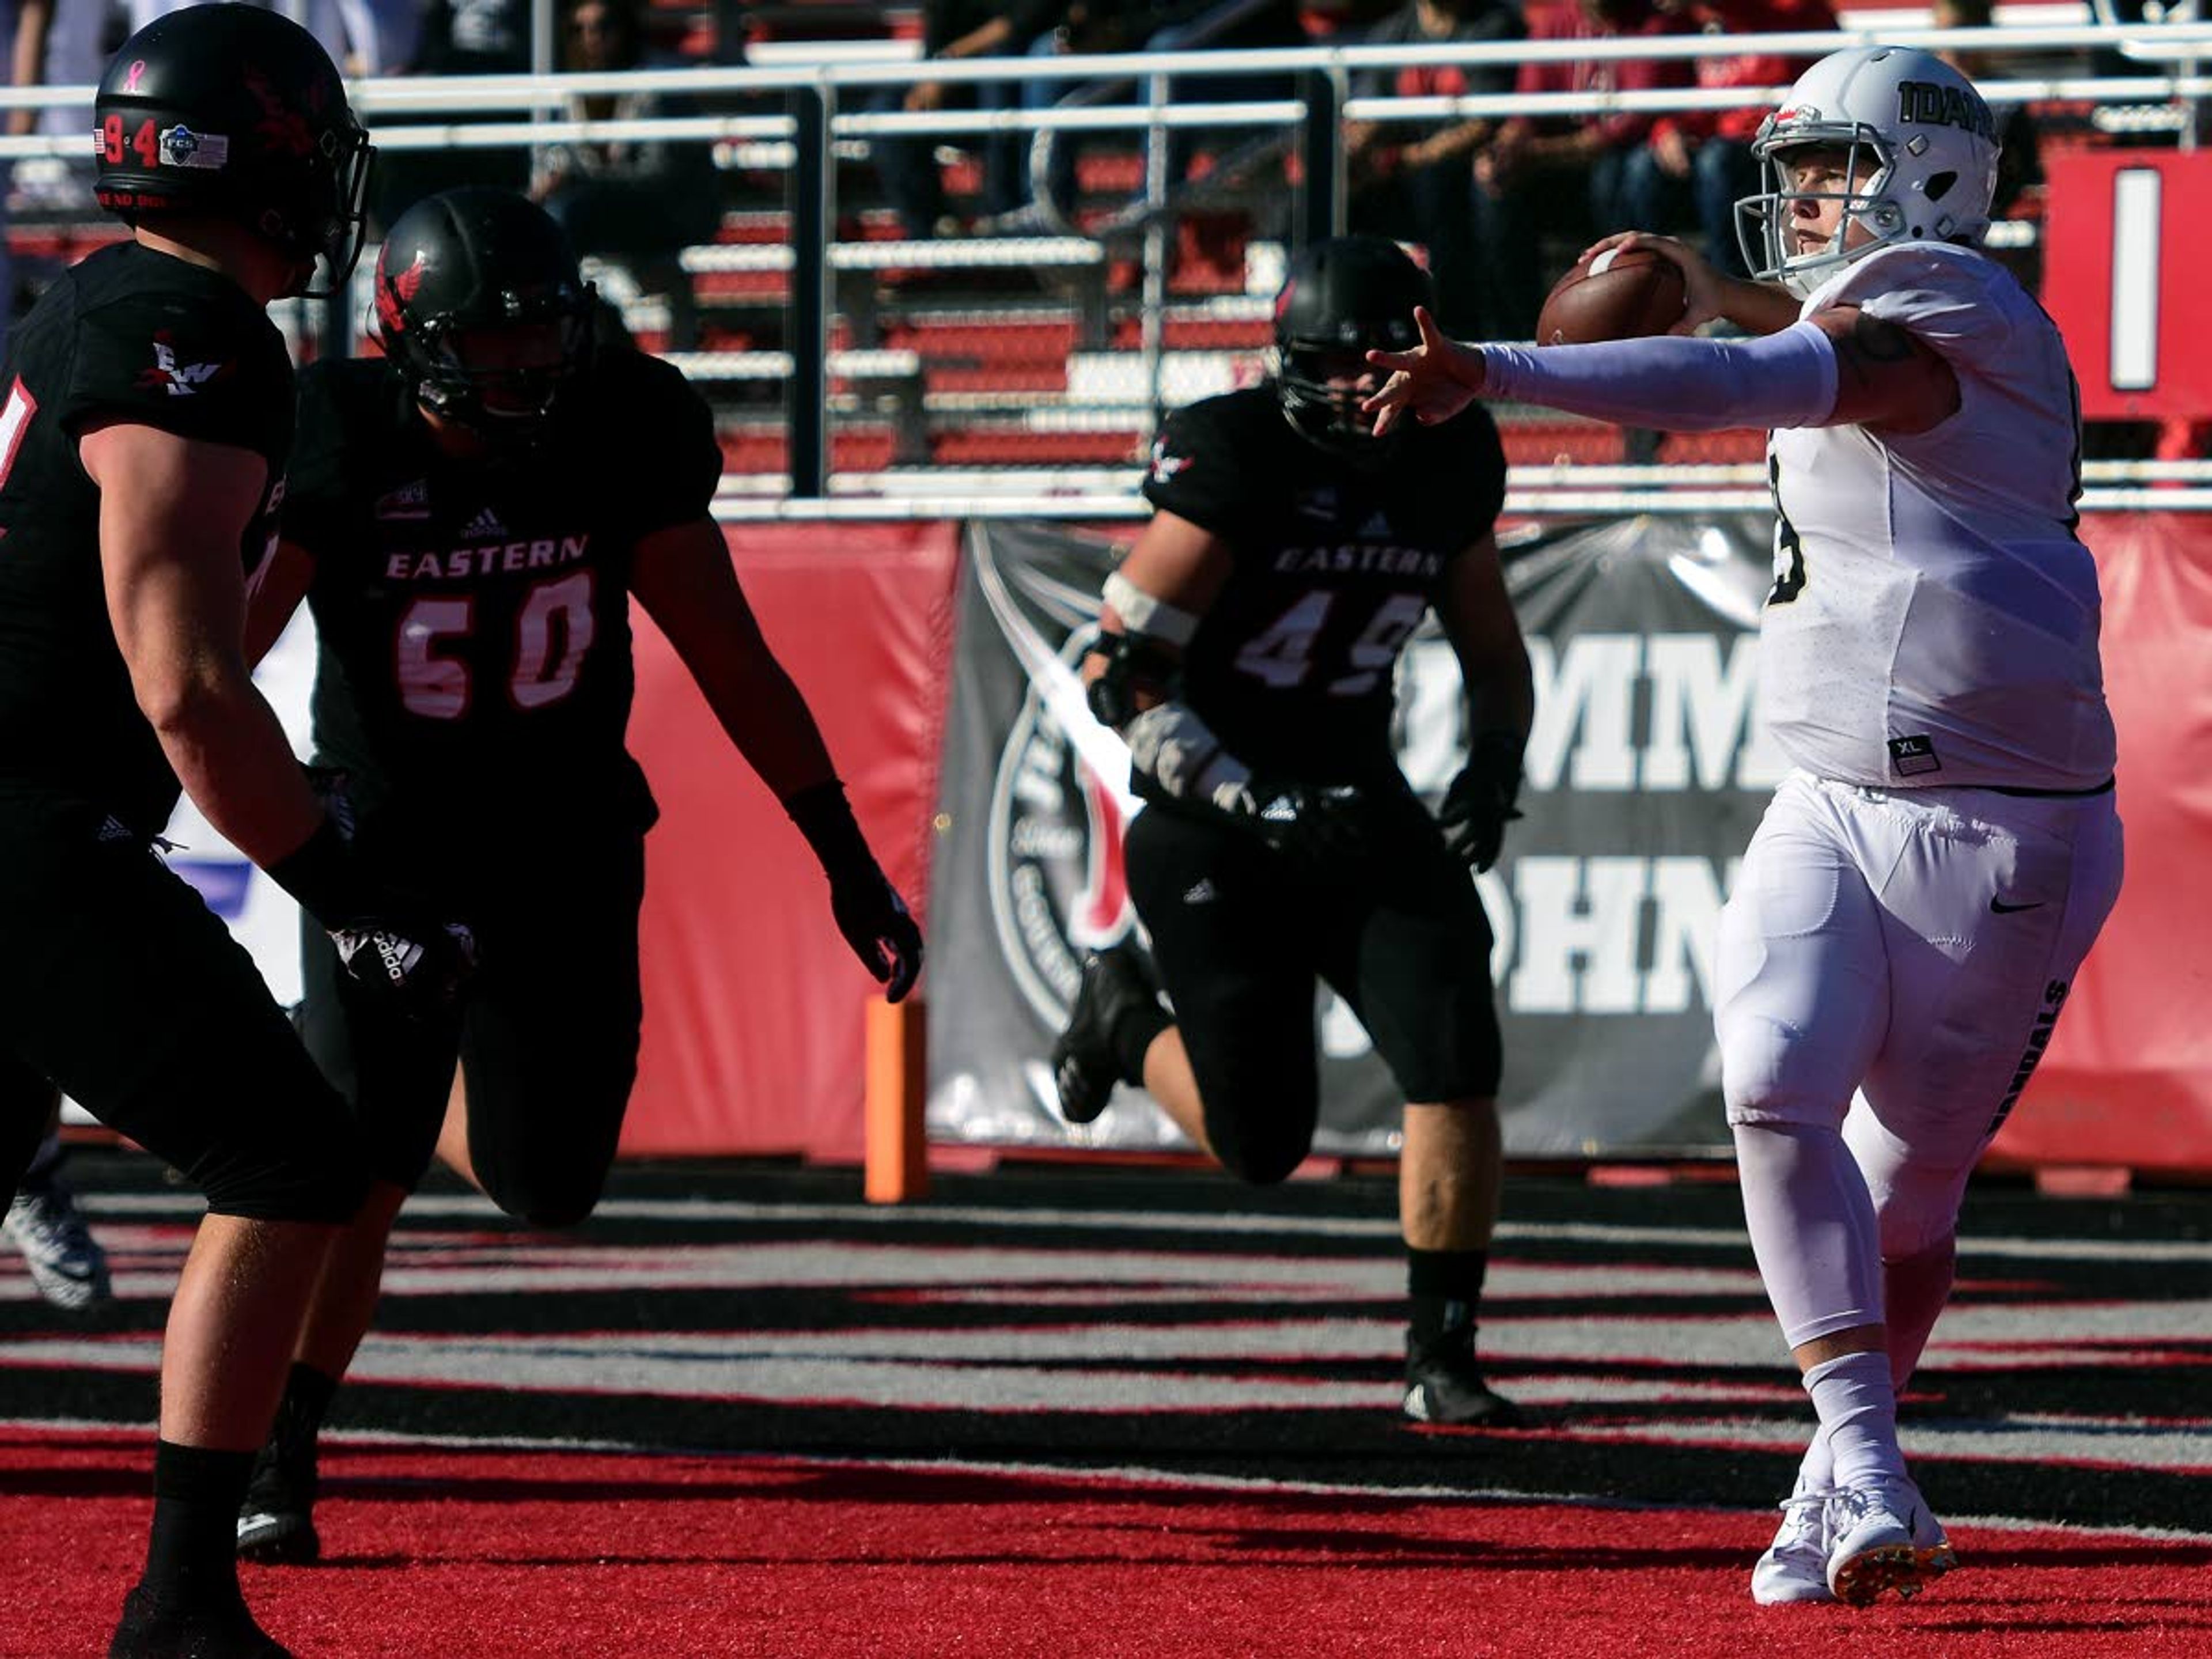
(550, 1200)
(324, 1190)
(1768, 1075)
(1256, 1146)
(556, 1214)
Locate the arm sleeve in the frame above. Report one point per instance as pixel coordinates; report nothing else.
(1673, 382)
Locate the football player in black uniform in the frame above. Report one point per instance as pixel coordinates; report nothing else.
(1247, 654)
(469, 518)
(147, 419)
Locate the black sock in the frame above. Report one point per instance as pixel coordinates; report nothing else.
(191, 1560)
(1132, 1034)
(1445, 1288)
(307, 1395)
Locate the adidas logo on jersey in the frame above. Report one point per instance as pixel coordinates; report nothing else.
(113, 828)
(1200, 892)
(1377, 527)
(485, 523)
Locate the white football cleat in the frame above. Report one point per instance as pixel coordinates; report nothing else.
(1882, 1537)
(1796, 1565)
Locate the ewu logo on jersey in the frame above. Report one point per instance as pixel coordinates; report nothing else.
(179, 379)
(1056, 883)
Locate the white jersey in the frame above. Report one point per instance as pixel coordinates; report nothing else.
(1933, 617)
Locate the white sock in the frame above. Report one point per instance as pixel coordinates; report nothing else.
(1816, 1472)
(1858, 1417)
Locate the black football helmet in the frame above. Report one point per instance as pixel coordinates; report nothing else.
(237, 113)
(479, 302)
(1344, 297)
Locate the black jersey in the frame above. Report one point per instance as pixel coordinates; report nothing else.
(127, 335)
(474, 614)
(1334, 565)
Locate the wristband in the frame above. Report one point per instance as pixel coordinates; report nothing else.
(825, 817)
(320, 873)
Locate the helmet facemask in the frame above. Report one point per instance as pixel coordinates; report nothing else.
(342, 233)
(1858, 160)
(1322, 388)
(502, 378)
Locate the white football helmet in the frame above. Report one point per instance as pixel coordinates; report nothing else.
(1922, 161)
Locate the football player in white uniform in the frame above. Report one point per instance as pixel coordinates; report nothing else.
(1924, 885)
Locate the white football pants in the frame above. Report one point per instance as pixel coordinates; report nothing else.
(1891, 963)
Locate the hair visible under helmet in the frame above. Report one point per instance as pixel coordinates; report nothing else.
(234, 112)
(1921, 160)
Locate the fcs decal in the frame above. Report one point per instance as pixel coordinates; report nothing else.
(180, 147)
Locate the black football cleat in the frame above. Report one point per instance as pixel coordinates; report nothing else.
(150, 1630)
(1085, 1065)
(1444, 1388)
(276, 1522)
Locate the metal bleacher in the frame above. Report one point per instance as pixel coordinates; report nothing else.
(843, 360)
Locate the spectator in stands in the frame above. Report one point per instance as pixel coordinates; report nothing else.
(1563, 179)
(625, 197)
(459, 37)
(1414, 186)
(953, 29)
(1697, 164)
(1106, 25)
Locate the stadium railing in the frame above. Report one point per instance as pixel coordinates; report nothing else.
(824, 294)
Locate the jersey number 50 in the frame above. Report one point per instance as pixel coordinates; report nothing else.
(552, 632)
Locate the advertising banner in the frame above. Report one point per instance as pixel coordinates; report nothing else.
(1646, 776)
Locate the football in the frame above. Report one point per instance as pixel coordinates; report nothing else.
(1621, 294)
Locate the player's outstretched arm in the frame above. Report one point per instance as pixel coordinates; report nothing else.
(1786, 380)
(1432, 383)
(172, 513)
(682, 576)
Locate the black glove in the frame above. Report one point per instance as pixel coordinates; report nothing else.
(387, 943)
(867, 908)
(1479, 803)
(1320, 823)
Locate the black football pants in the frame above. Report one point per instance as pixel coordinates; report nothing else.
(1241, 933)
